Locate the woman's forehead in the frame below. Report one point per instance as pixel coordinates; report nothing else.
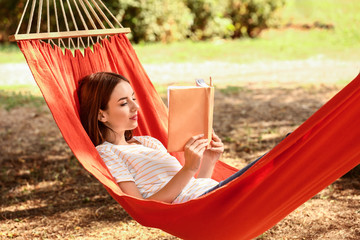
(122, 89)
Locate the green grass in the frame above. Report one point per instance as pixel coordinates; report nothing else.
(287, 45)
(342, 14)
(15, 96)
(342, 42)
(10, 53)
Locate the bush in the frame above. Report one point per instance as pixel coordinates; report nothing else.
(156, 20)
(231, 18)
(209, 20)
(10, 12)
(165, 20)
(250, 17)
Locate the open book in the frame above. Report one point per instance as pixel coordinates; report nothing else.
(190, 113)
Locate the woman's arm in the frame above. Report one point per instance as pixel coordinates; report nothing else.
(210, 157)
(194, 150)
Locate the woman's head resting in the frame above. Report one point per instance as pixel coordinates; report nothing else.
(108, 107)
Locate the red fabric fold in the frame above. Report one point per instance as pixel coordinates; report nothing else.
(317, 153)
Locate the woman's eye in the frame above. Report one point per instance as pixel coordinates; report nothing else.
(134, 99)
(123, 104)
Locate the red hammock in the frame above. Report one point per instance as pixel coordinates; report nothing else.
(321, 150)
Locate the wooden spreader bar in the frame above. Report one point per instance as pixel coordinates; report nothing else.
(69, 34)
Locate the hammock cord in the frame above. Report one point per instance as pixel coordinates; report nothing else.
(70, 41)
(76, 22)
(22, 17)
(79, 39)
(57, 22)
(96, 17)
(39, 16)
(83, 22)
(95, 14)
(89, 18)
(48, 18)
(31, 16)
(112, 15)
(102, 14)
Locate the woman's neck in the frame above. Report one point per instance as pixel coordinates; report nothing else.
(116, 138)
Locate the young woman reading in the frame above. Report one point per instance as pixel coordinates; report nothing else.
(141, 165)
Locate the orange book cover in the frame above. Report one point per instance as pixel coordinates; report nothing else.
(190, 113)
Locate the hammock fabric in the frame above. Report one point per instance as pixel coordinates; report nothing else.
(321, 150)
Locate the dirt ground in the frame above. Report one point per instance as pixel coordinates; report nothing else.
(46, 194)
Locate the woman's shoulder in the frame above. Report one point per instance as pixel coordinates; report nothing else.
(149, 141)
(104, 147)
(110, 149)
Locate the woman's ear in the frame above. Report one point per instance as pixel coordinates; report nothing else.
(102, 116)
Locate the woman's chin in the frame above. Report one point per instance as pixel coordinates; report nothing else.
(134, 126)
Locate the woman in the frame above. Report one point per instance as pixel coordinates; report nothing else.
(141, 165)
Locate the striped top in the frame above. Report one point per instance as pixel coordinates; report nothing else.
(150, 166)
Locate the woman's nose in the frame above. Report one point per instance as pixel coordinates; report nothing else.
(134, 106)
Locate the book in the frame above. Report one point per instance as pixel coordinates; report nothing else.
(191, 111)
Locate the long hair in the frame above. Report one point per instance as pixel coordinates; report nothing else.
(94, 93)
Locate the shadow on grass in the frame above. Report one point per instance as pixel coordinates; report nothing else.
(37, 187)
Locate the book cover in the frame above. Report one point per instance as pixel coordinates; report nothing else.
(190, 113)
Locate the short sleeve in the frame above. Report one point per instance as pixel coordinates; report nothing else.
(152, 142)
(116, 166)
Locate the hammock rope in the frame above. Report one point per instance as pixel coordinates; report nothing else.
(95, 11)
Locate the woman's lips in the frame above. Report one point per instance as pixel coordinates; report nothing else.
(134, 117)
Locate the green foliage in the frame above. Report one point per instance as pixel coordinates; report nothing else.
(156, 20)
(231, 18)
(10, 100)
(10, 12)
(250, 17)
(159, 20)
(209, 20)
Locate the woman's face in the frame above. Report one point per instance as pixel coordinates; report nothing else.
(121, 112)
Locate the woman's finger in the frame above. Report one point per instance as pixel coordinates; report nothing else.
(216, 144)
(218, 150)
(215, 137)
(194, 146)
(201, 146)
(193, 139)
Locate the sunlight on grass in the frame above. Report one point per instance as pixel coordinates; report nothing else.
(10, 53)
(342, 42)
(343, 15)
(12, 96)
(32, 89)
(286, 43)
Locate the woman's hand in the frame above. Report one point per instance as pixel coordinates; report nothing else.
(216, 149)
(211, 156)
(194, 150)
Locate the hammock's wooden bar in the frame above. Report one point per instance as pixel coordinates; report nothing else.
(70, 34)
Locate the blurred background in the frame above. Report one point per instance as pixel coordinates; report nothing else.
(234, 38)
(273, 62)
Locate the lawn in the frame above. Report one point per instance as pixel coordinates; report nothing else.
(290, 40)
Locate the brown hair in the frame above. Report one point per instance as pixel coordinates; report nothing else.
(94, 93)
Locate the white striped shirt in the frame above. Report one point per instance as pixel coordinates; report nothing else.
(150, 166)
